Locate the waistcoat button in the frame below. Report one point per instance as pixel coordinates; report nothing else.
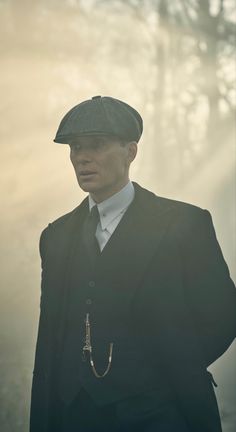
(88, 301)
(91, 284)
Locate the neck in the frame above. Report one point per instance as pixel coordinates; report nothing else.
(102, 196)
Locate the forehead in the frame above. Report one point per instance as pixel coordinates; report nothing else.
(92, 139)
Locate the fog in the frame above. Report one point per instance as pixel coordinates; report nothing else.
(176, 65)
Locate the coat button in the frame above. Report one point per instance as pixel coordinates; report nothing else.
(91, 284)
(88, 301)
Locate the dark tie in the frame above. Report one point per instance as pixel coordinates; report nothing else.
(89, 232)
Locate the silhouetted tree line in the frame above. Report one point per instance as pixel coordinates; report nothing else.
(193, 96)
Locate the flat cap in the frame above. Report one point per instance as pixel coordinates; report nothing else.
(100, 116)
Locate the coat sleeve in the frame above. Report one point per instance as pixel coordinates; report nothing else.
(39, 411)
(210, 291)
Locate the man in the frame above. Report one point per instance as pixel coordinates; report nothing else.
(136, 301)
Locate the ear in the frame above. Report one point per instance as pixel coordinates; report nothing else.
(132, 150)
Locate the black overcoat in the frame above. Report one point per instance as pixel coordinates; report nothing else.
(172, 279)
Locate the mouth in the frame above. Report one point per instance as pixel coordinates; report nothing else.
(86, 174)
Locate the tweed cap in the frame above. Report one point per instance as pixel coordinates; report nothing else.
(100, 116)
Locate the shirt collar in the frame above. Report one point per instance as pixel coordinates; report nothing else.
(115, 205)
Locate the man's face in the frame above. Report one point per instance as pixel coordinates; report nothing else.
(101, 164)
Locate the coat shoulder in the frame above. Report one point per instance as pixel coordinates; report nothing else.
(58, 231)
(181, 209)
(180, 206)
(63, 220)
(187, 219)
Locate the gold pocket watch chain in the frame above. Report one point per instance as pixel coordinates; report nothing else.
(88, 347)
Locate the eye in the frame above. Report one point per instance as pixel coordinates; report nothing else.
(99, 144)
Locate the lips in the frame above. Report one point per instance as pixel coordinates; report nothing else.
(86, 173)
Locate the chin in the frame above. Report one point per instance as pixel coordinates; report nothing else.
(86, 187)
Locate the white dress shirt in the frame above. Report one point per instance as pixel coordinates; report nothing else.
(111, 212)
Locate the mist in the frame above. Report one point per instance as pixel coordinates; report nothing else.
(174, 61)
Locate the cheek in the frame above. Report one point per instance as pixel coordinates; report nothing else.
(111, 166)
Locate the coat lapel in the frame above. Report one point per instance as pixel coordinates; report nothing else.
(135, 241)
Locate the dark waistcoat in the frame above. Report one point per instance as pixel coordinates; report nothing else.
(90, 291)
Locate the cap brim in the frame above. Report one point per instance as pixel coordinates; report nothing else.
(66, 139)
